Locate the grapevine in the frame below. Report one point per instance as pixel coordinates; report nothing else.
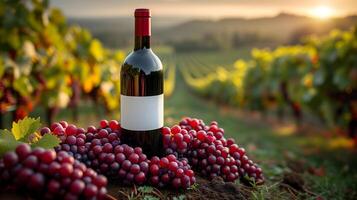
(317, 77)
(51, 62)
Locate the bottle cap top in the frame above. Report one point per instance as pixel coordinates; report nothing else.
(142, 12)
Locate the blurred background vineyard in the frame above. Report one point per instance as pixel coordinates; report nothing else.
(288, 65)
(49, 66)
(291, 67)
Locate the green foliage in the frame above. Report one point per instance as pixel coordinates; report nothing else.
(270, 69)
(47, 141)
(334, 77)
(24, 131)
(44, 59)
(319, 77)
(23, 128)
(7, 141)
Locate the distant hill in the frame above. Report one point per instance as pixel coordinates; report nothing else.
(230, 32)
(118, 31)
(282, 24)
(279, 28)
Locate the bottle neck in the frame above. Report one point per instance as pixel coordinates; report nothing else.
(142, 32)
(142, 42)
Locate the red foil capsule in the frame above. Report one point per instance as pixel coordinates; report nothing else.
(142, 22)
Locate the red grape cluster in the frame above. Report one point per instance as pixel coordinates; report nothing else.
(170, 171)
(134, 164)
(46, 174)
(209, 151)
(100, 145)
(100, 149)
(70, 171)
(189, 143)
(176, 140)
(73, 139)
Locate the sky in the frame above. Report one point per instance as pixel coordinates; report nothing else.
(207, 8)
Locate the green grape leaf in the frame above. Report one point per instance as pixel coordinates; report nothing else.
(48, 141)
(14, 39)
(119, 56)
(96, 50)
(25, 127)
(6, 135)
(57, 17)
(23, 86)
(7, 141)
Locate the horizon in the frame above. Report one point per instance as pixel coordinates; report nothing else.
(212, 19)
(209, 9)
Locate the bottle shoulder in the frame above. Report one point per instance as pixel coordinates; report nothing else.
(144, 59)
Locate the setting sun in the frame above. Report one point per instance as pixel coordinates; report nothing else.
(322, 12)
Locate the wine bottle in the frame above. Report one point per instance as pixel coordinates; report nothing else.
(142, 86)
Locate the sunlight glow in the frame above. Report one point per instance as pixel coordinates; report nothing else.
(322, 12)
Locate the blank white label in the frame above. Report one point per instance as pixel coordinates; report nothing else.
(140, 113)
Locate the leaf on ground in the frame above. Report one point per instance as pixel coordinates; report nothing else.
(317, 171)
(25, 127)
(7, 141)
(194, 187)
(48, 141)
